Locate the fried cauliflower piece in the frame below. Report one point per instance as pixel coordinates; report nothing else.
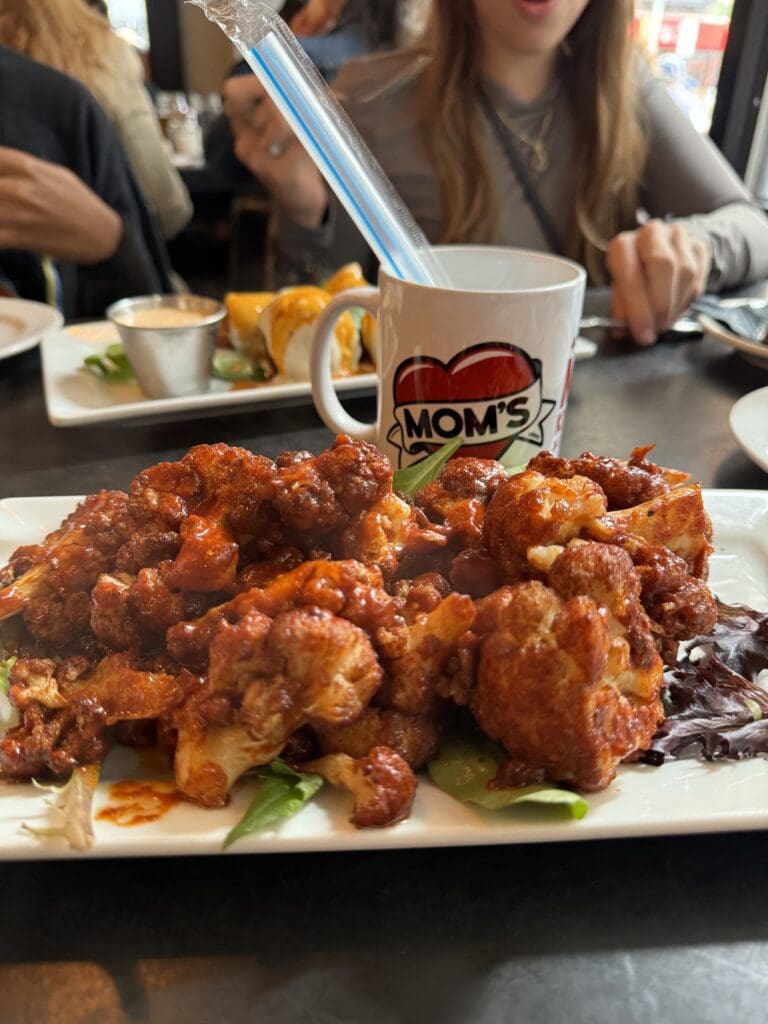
(459, 496)
(318, 494)
(268, 679)
(209, 499)
(419, 657)
(625, 482)
(381, 783)
(531, 510)
(386, 533)
(680, 606)
(65, 709)
(51, 580)
(222, 483)
(347, 588)
(414, 737)
(676, 520)
(476, 572)
(568, 676)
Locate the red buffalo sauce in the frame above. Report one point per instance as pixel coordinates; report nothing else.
(137, 803)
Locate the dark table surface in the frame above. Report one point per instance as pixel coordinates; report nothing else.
(663, 929)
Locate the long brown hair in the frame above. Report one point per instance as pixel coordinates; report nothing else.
(597, 71)
(67, 35)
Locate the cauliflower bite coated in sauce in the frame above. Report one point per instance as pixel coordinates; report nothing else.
(242, 609)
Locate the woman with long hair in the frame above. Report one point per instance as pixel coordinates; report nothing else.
(72, 37)
(533, 123)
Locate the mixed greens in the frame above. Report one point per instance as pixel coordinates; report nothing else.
(114, 367)
(715, 705)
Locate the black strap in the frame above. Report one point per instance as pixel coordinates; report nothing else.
(521, 172)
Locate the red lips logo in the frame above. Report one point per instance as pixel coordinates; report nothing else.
(489, 394)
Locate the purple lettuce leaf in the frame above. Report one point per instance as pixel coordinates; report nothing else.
(714, 707)
(739, 640)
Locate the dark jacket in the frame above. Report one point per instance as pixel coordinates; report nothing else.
(53, 117)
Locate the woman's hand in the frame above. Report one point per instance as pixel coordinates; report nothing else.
(265, 144)
(45, 208)
(656, 272)
(317, 17)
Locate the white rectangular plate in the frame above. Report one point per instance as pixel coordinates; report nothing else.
(680, 797)
(74, 396)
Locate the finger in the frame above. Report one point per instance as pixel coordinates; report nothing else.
(262, 116)
(275, 138)
(299, 24)
(16, 161)
(249, 152)
(241, 94)
(308, 22)
(239, 108)
(661, 270)
(630, 288)
(694, 260)
(689, 268)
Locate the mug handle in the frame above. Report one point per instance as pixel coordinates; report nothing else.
(331, 411)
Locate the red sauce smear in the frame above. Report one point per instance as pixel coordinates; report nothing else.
(136, 803)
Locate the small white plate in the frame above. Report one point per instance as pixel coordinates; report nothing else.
(680, 797)
(753, 351)
(749, 425)
(74, 396)
(23, 324)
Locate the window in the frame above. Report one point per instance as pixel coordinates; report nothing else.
(129, 18)
(686, 40)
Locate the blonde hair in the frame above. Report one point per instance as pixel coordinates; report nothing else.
(67, 35)
(596, 68)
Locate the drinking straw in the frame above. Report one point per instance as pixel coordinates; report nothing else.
(334, 144)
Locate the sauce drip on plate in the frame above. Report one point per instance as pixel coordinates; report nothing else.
(137, 803)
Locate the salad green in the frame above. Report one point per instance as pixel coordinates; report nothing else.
(465, 765)
(281, 793)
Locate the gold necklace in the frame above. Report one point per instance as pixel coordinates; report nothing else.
(539, 158)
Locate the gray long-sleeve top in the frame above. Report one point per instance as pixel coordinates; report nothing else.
(685, 177)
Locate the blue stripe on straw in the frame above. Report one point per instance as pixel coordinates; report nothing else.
(329, 166)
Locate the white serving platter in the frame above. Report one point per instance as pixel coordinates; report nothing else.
(680, 797)
(75, 397)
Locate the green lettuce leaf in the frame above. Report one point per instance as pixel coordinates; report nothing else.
(6, 664)
(281, 793)
(229, 365)
(465, 765)
(112, 366)
(412, 478)
(8, 714)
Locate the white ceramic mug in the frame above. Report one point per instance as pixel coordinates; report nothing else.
(489, 360)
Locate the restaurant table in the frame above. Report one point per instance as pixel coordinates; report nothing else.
(632, 930)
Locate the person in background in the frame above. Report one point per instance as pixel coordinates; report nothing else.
(70, 36)
(335, 31)
(74, 228)
(332, 32)
(531, 124)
